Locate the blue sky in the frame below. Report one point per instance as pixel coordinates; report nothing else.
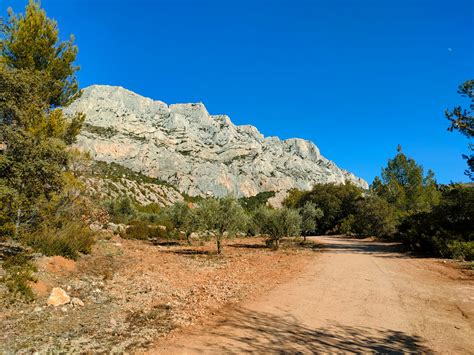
(357, 77)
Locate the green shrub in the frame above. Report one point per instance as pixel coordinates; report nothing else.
(142, 230)
(121, 209)
(137, 230)
(336, 201)
(253, 202)
(462, 250)
(19, 272)
(347, 225)
(447, 230)
(374, 217)
(67, 240)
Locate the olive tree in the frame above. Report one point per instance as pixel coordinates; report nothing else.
(310, 215)
(279, 223)
(223, 217)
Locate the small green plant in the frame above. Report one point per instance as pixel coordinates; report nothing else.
(107, 132)
(19, 273)
(462, 250)
(143, 230)
(66, 240)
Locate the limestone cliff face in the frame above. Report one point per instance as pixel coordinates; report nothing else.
(199, 153)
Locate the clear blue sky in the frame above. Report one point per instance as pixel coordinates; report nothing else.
(357, 77)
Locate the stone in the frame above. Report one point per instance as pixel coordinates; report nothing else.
(77, 302)
(58, 297)
(198, 153)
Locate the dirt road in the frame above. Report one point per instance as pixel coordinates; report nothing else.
(357, 296)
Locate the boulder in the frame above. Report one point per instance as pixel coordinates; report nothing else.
(58, 297)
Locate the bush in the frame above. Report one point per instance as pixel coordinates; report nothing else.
(462, 250)
(19, 273)
(67, 240)
(142, 230)
(347, 225)
(374, 217)
(336, 201)
(121, 209)
(447, 230)
(181, 218)
(253, 202)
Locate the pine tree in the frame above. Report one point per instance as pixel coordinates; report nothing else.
(462, 120)
(37, 77)
(404, 185)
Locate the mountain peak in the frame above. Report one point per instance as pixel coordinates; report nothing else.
(199, 153)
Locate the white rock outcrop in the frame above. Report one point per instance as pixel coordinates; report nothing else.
(199, 153)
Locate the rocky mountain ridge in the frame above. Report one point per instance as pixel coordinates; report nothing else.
(199, 153)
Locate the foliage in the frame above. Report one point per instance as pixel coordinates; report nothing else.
(142, 230)
(446, 230)
(310, 215)
(462, 120)
(116, 172)
(278, 223)
(19, 272)
(68, 239)
(374, 217)
(37, 77)
(31, 42)
(223, 217)
(253, 202)
(121, 209)
(347, 225)
(336, 201)
(405, 187)
(182, 219)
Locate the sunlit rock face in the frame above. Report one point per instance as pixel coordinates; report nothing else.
(199, 153)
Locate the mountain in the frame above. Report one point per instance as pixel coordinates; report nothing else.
(198, 153)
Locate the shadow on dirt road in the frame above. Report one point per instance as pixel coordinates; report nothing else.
(267, 333)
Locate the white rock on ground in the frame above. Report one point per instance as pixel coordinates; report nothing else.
(199, 153)
(58, 297)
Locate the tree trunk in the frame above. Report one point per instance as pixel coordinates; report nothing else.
(17, 224)
(219, 247)
(187, 238)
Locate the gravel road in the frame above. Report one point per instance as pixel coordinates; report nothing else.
(356, 296)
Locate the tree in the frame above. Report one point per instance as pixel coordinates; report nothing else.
(37, 76)
(404, 185)
(279, 223)
(374, 217)
(223, 217)
(183, 218)
(462, 120)
(31, 42)
(336, 201)
(446, 230)
(310, 215)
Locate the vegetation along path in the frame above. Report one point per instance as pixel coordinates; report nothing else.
(356, 296)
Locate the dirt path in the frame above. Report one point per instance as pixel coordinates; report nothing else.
(356, 296)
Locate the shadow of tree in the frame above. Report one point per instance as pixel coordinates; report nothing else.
(191, 252)
(249, 331)
(377, 249)
(248, 246)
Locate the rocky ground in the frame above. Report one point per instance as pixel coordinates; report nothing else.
(126, 294)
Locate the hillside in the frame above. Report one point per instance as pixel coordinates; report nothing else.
(199, 153)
